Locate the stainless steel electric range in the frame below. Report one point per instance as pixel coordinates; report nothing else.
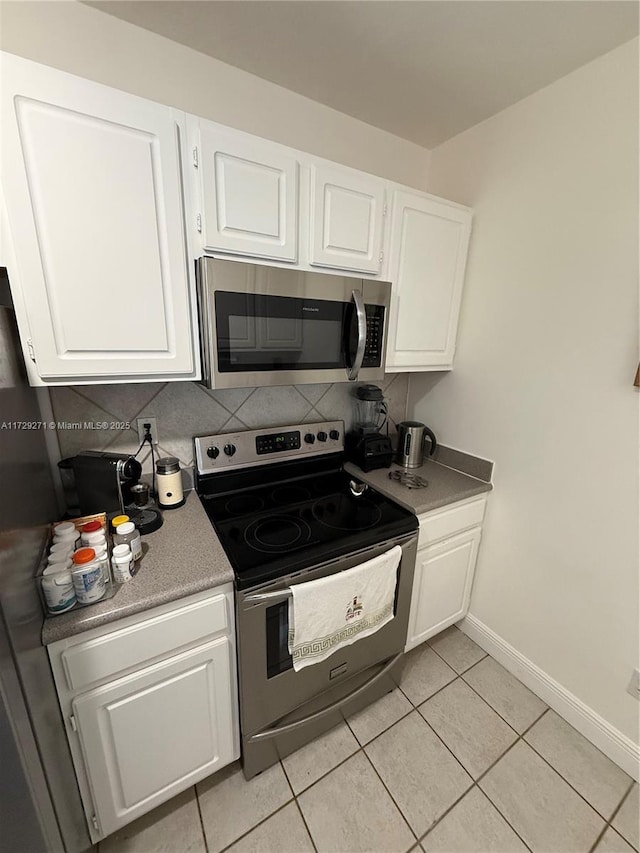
(286, 513)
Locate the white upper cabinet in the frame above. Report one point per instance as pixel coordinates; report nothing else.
(427, 256)
(249, 192)
(92, 186)
(347, 216)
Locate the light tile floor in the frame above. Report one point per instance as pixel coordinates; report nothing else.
(462, 759)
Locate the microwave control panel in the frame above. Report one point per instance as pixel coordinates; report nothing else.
(375, 336)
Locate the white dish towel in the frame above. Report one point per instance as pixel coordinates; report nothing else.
(329, 613)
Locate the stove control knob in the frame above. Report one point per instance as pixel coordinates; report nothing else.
(213, 452)
(334, 434)
(229, 449)
(322, 436)
(309, 438)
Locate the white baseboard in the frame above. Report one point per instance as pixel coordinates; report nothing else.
(615, 745)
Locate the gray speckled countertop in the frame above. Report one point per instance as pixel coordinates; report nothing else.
(183, 557)
(446, 486)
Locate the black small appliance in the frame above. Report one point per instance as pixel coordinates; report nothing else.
(365, 444)
(103, 480)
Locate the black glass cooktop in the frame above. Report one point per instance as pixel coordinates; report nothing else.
(269, 531)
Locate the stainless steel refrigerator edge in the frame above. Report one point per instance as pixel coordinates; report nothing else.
(40, 808)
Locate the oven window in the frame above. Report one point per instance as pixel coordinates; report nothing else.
(256, 332)
(277, 624)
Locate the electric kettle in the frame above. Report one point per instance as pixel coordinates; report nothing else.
(411, 436)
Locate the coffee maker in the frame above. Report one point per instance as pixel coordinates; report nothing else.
(365, 444)
(103, 481)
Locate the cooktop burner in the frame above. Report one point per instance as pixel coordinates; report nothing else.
(274, 519)
(269, 539)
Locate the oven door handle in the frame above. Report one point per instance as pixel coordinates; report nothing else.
(361, 316)
(256, 597)
(289, 727)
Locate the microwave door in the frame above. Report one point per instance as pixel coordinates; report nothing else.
(357, 336)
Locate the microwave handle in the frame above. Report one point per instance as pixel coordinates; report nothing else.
(361, 316)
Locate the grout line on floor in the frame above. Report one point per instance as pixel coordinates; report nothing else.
(495, 710)
(264, 820)
(582, 797)
(393, 799)
(599, 838)
(443, 658)
(609, 823)
(204, 834)
(306, 825)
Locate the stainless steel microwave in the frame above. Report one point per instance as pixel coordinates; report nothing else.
(262, 325)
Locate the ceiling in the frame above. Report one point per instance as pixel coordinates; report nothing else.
(424, 70)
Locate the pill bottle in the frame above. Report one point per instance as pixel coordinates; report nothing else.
(121, 563)
(57, 588)
(127, 534)
(87, 576)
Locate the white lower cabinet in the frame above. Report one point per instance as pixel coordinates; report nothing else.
(145, 735)
(445, 563)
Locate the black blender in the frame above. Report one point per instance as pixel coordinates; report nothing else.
(365, 444)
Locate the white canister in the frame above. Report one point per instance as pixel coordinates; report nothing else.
(169, 483)
(91, 540)
(62, 548)
(121, 560)
(65, 532)
(57, 588)
(87, 576)
(61, 559)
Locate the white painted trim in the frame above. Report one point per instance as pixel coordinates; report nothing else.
(609, 740)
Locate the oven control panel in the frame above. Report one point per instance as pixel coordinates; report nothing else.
(278, 441)
(233, 450)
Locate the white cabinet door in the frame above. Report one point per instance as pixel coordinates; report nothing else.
(347, 215)
(150, 735)
(249, 194)
(92, 185)
(442, 585)
(428, 252)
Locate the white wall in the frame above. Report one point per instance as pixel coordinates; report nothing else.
(548, 349)
(92, 44)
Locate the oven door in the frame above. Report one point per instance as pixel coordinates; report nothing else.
(273, 697)
(264, 325)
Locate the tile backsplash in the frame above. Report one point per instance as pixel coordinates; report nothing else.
(185, 409)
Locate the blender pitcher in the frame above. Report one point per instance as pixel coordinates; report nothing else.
(371, 409)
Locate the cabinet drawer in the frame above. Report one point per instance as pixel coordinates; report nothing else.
(438, 525)
(103, 657)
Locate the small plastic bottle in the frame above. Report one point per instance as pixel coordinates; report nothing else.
(62, 548)
(65, 532)
(61, 559)
(102, 557)
(90, 540)
(57, 588)
(121, 563)
(90, 529)
(87, 576)
(127, 534)
(117, 520)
